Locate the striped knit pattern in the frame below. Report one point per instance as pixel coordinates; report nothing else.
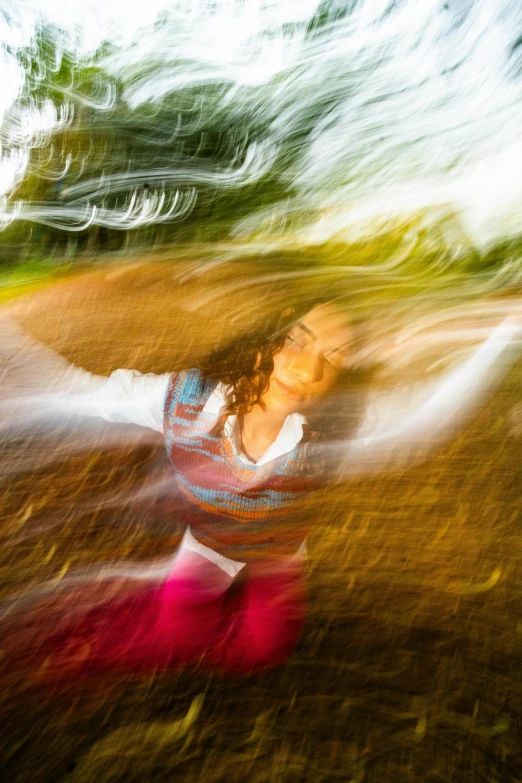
(244, 512)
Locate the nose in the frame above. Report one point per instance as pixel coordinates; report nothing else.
(308, 366)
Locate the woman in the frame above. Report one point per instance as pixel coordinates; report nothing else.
(250, 434)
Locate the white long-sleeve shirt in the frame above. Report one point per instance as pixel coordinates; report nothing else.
(392, 420)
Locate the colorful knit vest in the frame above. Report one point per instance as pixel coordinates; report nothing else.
(244, 512)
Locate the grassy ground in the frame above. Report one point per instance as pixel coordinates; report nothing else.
(411, 663)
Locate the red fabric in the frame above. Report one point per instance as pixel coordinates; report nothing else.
(199, 614)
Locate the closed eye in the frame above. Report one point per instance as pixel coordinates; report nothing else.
(292, 341)
(337, 357)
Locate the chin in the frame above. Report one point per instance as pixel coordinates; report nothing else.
(278, 402)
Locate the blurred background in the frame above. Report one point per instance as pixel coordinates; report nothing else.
(167, 172)
(262, 125)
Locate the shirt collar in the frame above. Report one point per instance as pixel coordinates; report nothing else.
(289, 436)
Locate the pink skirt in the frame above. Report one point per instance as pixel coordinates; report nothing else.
(199, 614)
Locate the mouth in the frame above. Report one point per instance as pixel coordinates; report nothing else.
(290, 392)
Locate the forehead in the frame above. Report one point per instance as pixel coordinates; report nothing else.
(328, 323)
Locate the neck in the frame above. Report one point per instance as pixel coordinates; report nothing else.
(257, 431)
(259, 422)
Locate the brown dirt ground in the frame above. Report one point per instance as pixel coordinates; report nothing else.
(411, 665)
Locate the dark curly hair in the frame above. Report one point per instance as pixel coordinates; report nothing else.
(245, 364)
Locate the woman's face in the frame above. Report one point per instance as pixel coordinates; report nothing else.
(316, 349)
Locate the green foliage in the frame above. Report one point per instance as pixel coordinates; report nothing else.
(103, 136)
(106, 152)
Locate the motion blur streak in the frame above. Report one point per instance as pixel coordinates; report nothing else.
(174, 176)
(347, 116)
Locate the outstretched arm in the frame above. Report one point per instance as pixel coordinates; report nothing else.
(405, 423)
(126, 396)
(39, 383)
